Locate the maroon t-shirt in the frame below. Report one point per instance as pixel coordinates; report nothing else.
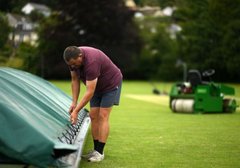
(97, 65)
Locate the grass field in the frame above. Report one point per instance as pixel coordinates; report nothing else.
(146, 134)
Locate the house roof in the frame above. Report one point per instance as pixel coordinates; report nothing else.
(39, 7)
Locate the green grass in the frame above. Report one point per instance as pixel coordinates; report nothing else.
(144, 134)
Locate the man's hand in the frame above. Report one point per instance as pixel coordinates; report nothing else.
(72, 107)
(74, 117)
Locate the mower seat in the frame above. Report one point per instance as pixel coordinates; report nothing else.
(194, 77)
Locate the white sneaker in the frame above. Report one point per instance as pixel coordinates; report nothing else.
(89, 154)
(97, 157)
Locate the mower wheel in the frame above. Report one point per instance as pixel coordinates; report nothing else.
(229, 105)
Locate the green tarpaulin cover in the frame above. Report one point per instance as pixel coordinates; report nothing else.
(33, 115)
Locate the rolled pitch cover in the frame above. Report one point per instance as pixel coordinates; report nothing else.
(182, 105)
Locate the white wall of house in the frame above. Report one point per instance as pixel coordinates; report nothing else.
(23, 30)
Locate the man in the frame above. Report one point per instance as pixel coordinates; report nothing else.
(103, 86)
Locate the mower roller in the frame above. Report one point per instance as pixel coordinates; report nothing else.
(197, 96)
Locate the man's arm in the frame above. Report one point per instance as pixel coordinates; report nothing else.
(75, 90)
(91, 85)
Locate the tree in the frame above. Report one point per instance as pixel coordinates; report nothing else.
(103, 24)
(4, 30)
(209, 36)
(54, 36)
(161, 3)
(165, 3)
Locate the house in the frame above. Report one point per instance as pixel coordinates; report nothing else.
(22, 29)
(130, 4)
(168, 11)
(29, 7)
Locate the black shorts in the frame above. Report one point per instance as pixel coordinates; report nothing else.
(107, 99)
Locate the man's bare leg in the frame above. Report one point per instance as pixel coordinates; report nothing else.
(103, 131)
(103, 122)
(94, 115)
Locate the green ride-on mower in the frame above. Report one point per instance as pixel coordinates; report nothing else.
(197, 96)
